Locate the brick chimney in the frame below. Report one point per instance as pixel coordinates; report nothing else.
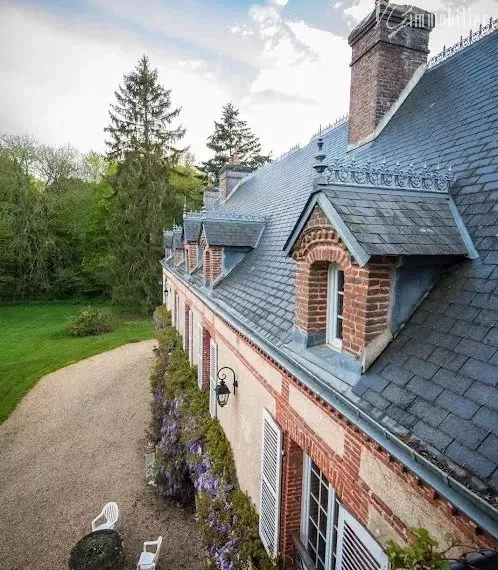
(389, 46)
(230, 175)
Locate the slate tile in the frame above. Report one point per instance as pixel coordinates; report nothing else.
(421, 367)
(463, 406)
(489, 448)
(400, 416)
(487, 419)
(396, 374)
(429, 413)
(398, 396)
(469, 331)
(448, 359)
(432, 436)
(466, 458)
(464, 431)
(485, 372)
(475, 349)
(419, 349)
(376, 400)
(492, 337)
(462, 312)
(482, 394)
(454, 382)
(423, 388)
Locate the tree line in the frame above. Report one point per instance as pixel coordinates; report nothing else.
(74, 225)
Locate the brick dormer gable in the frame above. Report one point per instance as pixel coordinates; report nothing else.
(369, 235)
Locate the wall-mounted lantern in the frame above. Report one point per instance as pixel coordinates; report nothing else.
(222, 390)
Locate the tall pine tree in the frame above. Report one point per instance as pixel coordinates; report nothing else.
(232, 136)
(142, 140)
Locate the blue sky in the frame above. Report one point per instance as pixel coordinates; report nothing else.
(284, 63)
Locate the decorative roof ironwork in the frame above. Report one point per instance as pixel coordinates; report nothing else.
(330, 127)
(465, 41)
(349, 173)
(221, 215)
(287, 152)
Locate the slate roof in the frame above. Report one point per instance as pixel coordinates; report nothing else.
(192, 229)
(232, 233)
(177, 238)
(386, 222)
(168, 239)
(439, 378)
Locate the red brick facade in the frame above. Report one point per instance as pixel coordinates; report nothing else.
(213, 263)
(342, 470)
(382, 66)
(191, 256)
(177, 256)
(367, 290)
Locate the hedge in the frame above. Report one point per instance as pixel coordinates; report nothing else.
(195, 461)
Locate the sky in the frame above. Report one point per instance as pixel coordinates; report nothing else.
(283, 63)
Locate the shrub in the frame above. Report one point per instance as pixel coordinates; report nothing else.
(193, 453)
(91, 321)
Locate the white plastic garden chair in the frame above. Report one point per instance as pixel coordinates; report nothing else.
(148, 559)
(107, 519)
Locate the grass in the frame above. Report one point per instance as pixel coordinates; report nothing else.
(33, 343)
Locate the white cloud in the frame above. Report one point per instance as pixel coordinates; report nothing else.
(61, 79)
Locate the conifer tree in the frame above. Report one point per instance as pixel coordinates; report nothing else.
(142, 141)
(232, 136)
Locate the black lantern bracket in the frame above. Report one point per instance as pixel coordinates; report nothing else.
(222, 377)
(222, 390)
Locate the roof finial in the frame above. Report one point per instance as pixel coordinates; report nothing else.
(320, 167)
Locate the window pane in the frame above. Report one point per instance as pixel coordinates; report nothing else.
(313, 510)
(339, 329)
(324, 497)
(313, 534)
(314, 484)
(340, 280)
(340, 304)
(323, 522)
(321, 548)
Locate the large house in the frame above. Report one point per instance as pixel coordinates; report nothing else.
(352, 288)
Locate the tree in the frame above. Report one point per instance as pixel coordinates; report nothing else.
(231, 137)
(142, 142)
(140, 121)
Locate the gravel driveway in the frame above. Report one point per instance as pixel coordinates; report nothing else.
(76, 441)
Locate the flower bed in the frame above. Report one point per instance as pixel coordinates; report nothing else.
(195, 461)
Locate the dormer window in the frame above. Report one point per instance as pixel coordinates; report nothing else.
(335, 306)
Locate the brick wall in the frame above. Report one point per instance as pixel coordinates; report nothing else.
(341, 465)
(367, 290)
(213, 263)
(177, 256)
(382, 66)
(191, 256)
(230, 176)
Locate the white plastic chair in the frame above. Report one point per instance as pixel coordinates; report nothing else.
(148, 559)
(107, 519)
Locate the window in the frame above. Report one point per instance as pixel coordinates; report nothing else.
(333, 538)
(213, 367)
(318, 516)
(200, 334)
(335, 305)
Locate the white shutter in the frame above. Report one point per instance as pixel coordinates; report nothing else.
(271, 467)
(356, 549)
(191, 337)
(182, 315)
(213, 367)
(173, 309)
(199, 355)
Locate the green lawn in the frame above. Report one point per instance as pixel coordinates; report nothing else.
(33, 343)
